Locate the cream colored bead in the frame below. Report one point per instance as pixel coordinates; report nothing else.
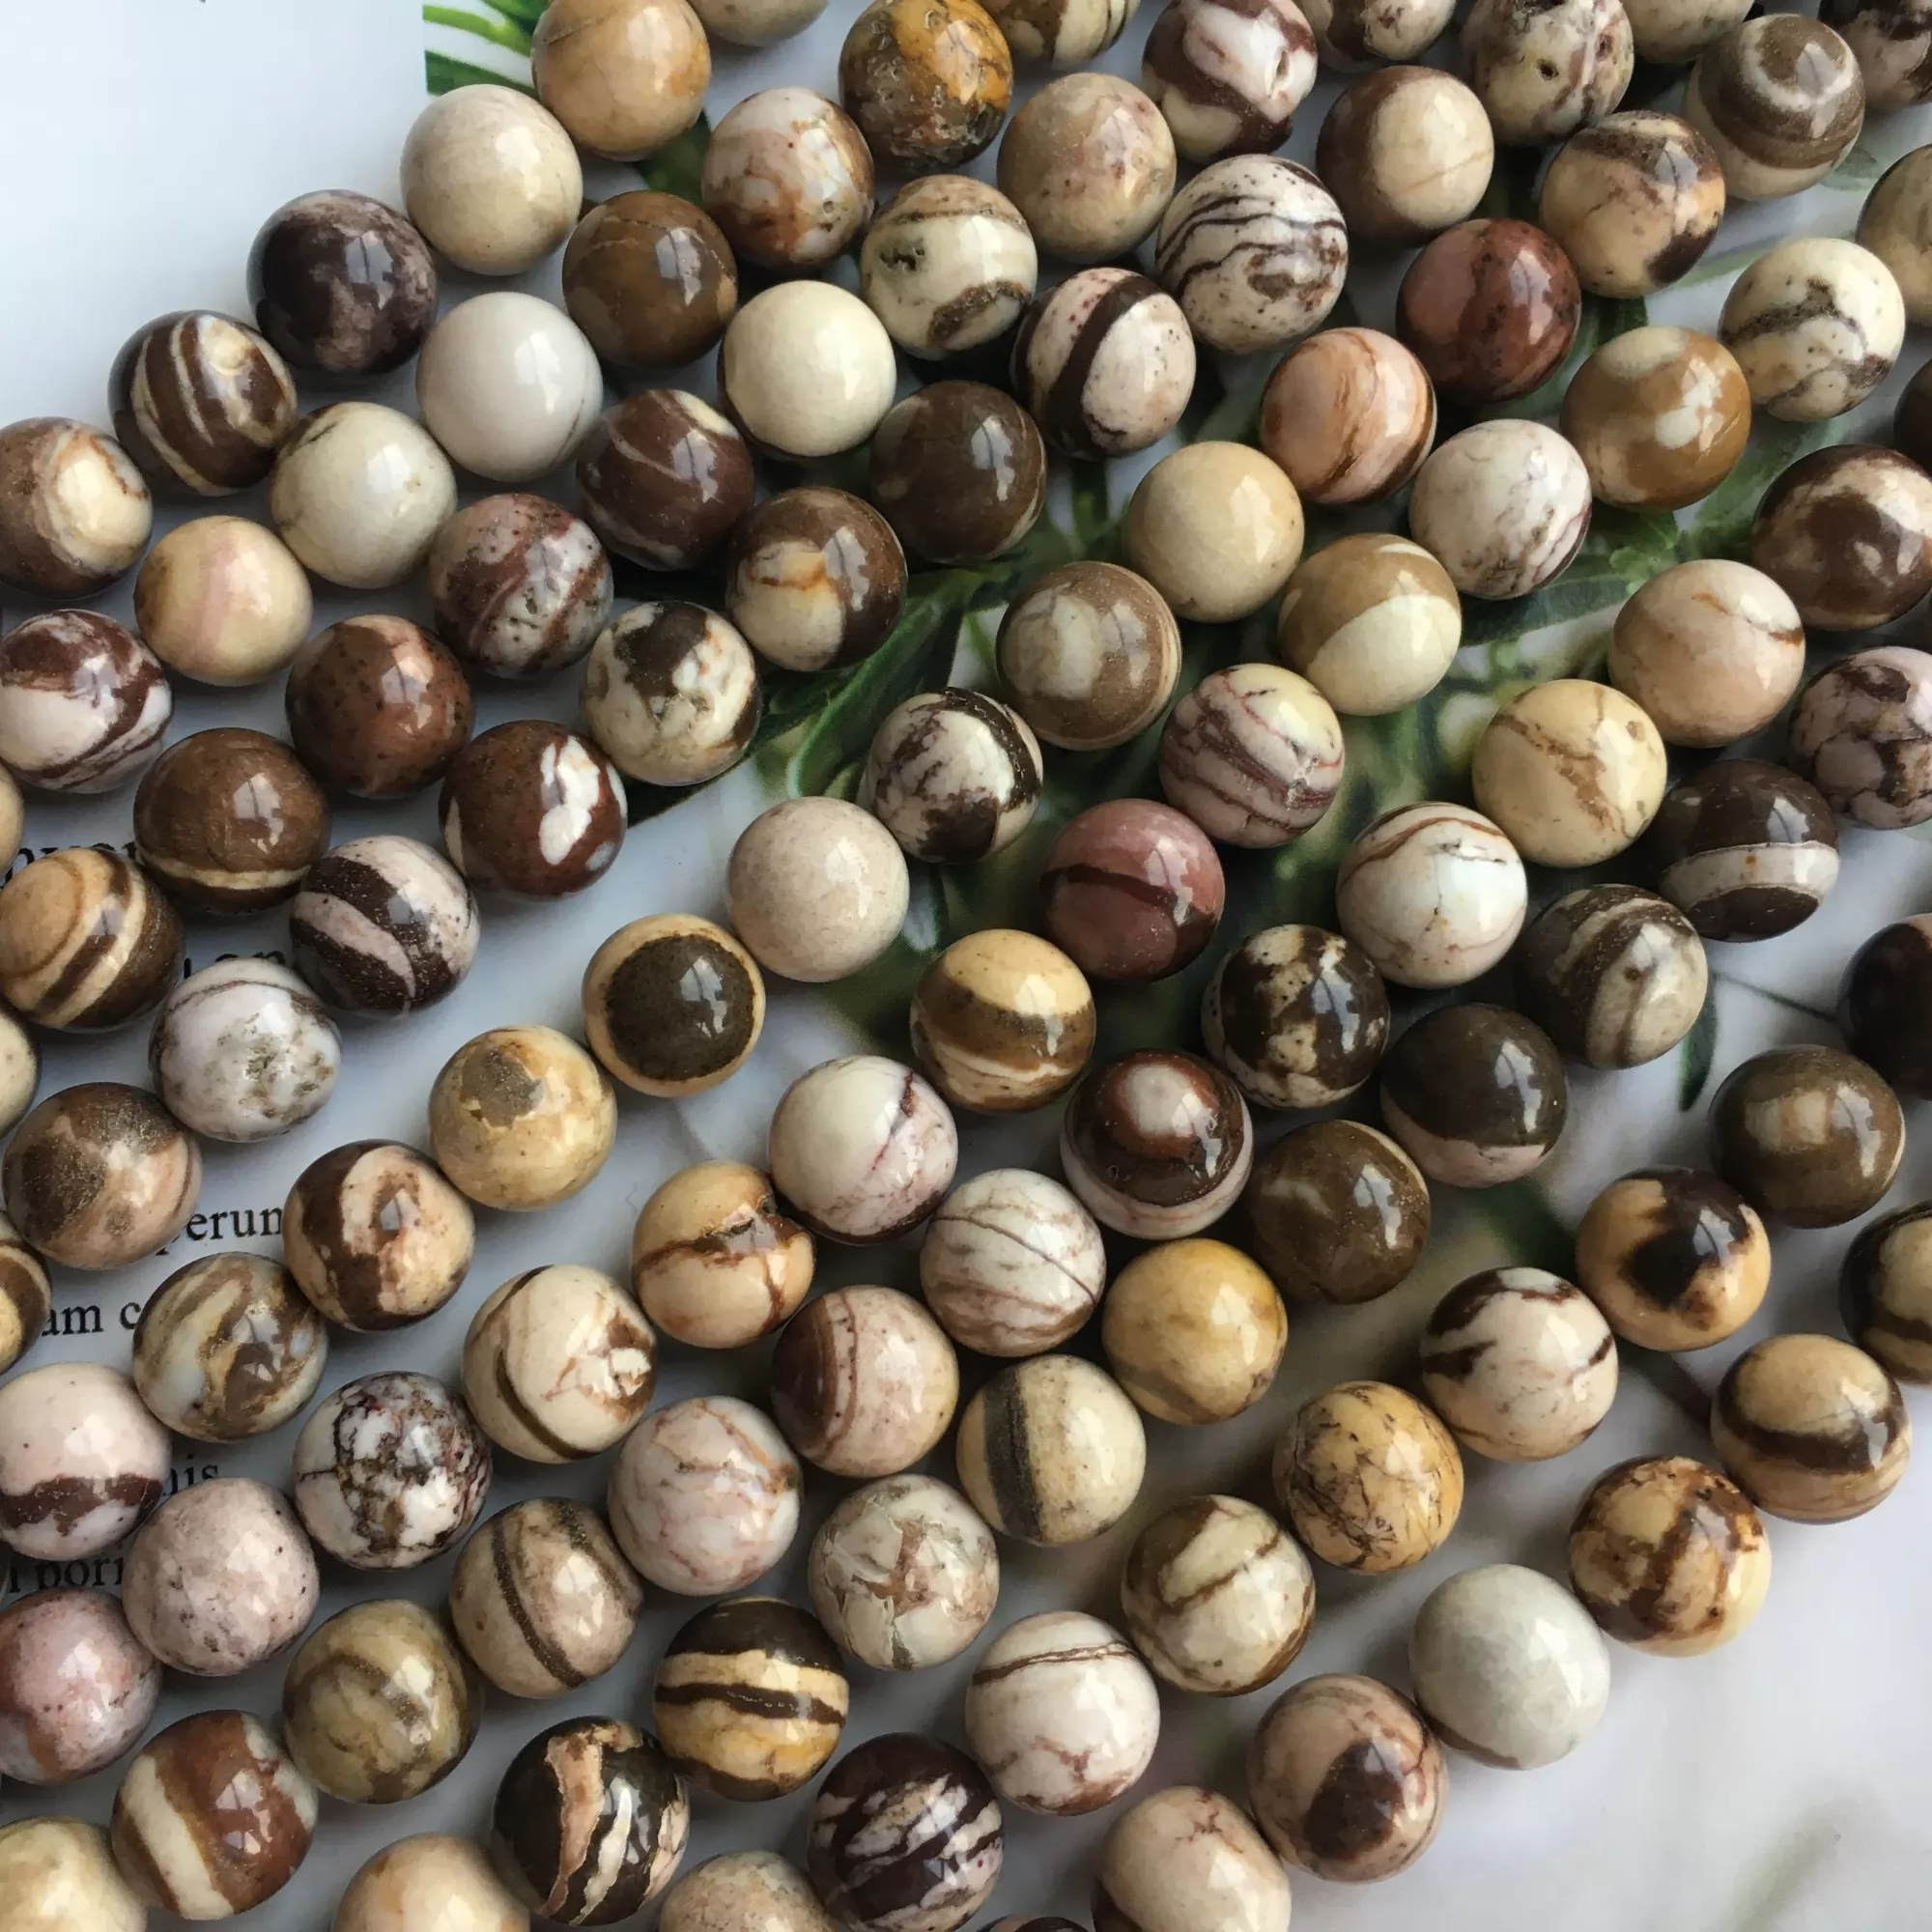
(1215, 528)
(224, 601)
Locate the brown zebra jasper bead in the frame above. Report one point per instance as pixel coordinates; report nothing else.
(74, 512)
(1669, 1556)
(664, 479)
(542, 1599)
(202, 403)
(750, 1697)
(374, 1237)
(649, 278)
(1847, 533)
(1811, 1428)
(1885, 1003)
(84, 704)
(959, 471)
(211, 1818)
(1001, 1022)
(904, 1837)
(815, 578)
(1885, 1290)
(590, 1822)
(673, 1005)
(1229, 74)
(228, 821)
(1675, 1257)
(86, 942)
(532, 809)
(25, 1298)
(382, 925)
(1345, 1780)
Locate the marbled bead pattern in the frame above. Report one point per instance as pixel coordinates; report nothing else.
(1862, 735)
(76, 1686)
(1816, 325)
(1090, 163)
(84, 704)
(749, 1698)
(1346, 1779)
(1229, 73)
(590, 1822)
(1296, 1016)
(1669, 1556)
(927, 81)
(1133, 890)
(1673, 32)
(378, 1704)
(212, 1817)
(1349, 416)
(1253, 754)
(788, 178)
(1408, 150)
(904, 1837)
(953, 776)
(1780, 100)
(815, 578)
(959, 471)
(1544, 71)
(1897, 226)
(1504, 507)
(1812, 1428)
(1216, 1597)
(1185, 1854)
(530, 809)
(662, 478)
(1633, 202)
(86, 942)
(74, 512)
(541, 1599)
(1885, 1291)
(947, 264)
(671, 693)
(383, 924)
(1001, 1022)
(740, 1890)
(1892, 39)
(1254, 250)
(1847, 532)
(389, 1471)
(1064, 33)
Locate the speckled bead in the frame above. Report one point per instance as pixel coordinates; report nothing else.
(1335, 1211)
(1862, 735)
(341, 285)
(1228, 74)
(947, 264)
(1572, 770)
(927, 81)
(530, 809)
(1408, 150)
(1489, 308)
(378, 1704)
(1355, 34)
(1633, 202)
(1615, 975)
(1508, 1667)
(219, 1579)
(1812, 1428)
(953, 776)
(1669, 1556)
(1897, 226)
(211, 1818)
(1780, 100)
(490, 178)
(1051, 1451)
(1159, 1145)
(559, 1364)
(1885, 1292)
(1345, 1780)
(817, 888)
(663, 479)
(626, 78)
(1675, 1257)
(228, 1347)
(1001, 1022)
(522, 1117)
(201, 403)
(541, 1599)
(1882, 1004)
(1816, 325)
(1133, 890)
(714, 1259)
(1504, 507)
(703, 1496)
(1370, 1478)
(1519, 1363)
(391, 1471)
(86, 942)
(1349, 416)
(242, 1051)
(382, 925)
(1745, 850)
(1254, 250)
(429, 1884)
(650, 279)
(808, 369)
(228, 821)
(1194, 1331)
(1475, 1094)
(1216, 1597)
(959, 471)
(1064, 33)
(749, 1698)
(1104, 363)
(673, 1005)
(1296, 1016)
(77, 1686)
(903, 1573)
(591, 1820)
(1061, 1714)
(1434, 894)
(1090, 163)
(100, 1174)
(815, 578)
(1542, 72)
(61, 1877)
(1184, 1854)
(222, 601)
(25, 1298)
(1807, 1134)
(740, 1890)
(1253, 754)
(1090, 654)
(81, 1460)
(74, 512)
(671, 693)
(84, 704)
(788, 178)
(1847, 532)
(863, 1381)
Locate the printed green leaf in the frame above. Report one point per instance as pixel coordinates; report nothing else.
(1696, 1053)
(444, 73)
(675, 169)
(1855, 172)
(1590, 584)
(528, 11)
(502, 33)
(1722, 525)
(1527, 1226)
